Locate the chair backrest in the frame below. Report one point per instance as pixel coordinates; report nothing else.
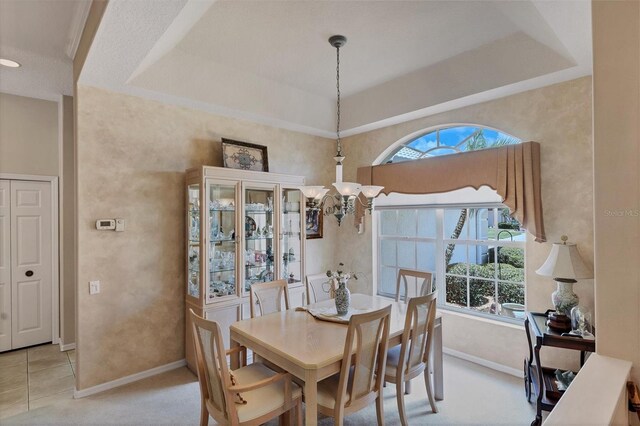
(268, 297)
(211, 365)
(418, 332)
(371, 333)
(409, 275)
(319, 288)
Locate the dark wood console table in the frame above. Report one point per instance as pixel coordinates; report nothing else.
(543, 378)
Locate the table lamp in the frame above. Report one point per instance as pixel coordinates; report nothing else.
(565, 266)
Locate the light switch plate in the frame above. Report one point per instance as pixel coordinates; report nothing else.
(94, 287)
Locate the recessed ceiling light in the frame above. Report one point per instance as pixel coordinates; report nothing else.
(9, 63)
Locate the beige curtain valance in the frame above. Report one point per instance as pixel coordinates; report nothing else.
(512, 170)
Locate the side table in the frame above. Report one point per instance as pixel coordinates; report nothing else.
(543, 378)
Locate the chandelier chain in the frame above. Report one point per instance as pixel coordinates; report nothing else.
(338, 142)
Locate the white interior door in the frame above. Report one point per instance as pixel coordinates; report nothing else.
(31, 265)
(5, 265)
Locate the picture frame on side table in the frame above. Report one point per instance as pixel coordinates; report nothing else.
(244, 156)
(313, 223)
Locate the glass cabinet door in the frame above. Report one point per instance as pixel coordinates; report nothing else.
(258, 222)
(193, 241)
(221, 237)
(291, 236)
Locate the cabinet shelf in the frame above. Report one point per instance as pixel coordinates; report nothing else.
(222, 210)
(258, 211)
(212, 271)
(258, 238)
(230, 240)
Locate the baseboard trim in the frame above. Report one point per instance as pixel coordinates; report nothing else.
(67, 347)
(485, 363)
(128, 379)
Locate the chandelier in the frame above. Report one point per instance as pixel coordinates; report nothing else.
(344, 201)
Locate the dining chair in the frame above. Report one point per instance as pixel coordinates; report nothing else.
(359, 383)
(319, 288)
(411, 357)
(268, 297)
(250, 395)
(414, 276)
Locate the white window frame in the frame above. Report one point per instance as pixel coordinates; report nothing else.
(441, 243)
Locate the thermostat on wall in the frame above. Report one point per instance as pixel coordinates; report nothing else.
(110, 225)
(105, 224)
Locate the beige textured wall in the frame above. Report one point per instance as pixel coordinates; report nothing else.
(28, 136)
(132, 154)
(67, 223)
(616, 71)
(559, 117)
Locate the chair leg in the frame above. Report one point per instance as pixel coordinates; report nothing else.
(204, 414)
(427, 382)
(400, 396)
(380, 409)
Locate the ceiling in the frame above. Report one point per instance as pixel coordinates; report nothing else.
(270, 62)
(42, 35)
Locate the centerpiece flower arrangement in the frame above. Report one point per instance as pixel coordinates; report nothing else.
(343, 295)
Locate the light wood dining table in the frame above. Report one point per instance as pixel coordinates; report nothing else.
(312, 350)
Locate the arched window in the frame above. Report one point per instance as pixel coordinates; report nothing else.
(465, 238)
(449, 140)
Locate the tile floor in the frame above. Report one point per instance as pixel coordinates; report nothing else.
(35, 377)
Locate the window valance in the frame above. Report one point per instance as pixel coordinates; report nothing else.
(513, 171)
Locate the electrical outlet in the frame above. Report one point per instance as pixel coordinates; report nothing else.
(94, 287)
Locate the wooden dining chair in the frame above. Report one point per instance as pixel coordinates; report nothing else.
(411, 357)
(319, 288)
(406, 275)
(267, 297)
(359, 384)
(250, 395)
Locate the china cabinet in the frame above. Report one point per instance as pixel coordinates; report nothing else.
(242, 227)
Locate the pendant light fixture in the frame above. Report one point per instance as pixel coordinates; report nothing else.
(343, 202)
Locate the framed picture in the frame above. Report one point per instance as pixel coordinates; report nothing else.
(313, 223)
(244, 156)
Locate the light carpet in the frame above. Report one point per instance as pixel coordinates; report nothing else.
(474, 395)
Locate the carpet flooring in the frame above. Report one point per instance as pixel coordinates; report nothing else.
(474, 395)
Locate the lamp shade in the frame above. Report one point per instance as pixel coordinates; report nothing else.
(564, 261)
(347, 189)
(313, 191)
(371, 191)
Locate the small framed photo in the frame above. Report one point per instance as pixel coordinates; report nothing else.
(244, 156)
(313, 223)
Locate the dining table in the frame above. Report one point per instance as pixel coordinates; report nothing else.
(312, 349)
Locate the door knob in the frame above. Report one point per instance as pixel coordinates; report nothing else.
(29, 273)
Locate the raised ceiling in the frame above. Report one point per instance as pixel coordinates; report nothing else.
(41, 35)
(269, 61)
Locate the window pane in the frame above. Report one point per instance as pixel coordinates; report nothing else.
(456, 291)
(427, 223)
(424, 143)
(407, 223)
(479, 263)
(479, 224)
(426, 257)
(482, 295)
(456, 258)
(387, 282)
(388, 252)
(454, 135)
(510, 293)
(511, 264)
(407, 254)
(456, 224)
(388, 222)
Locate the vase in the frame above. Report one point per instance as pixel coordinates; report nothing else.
(564, 299)
(343, 298)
